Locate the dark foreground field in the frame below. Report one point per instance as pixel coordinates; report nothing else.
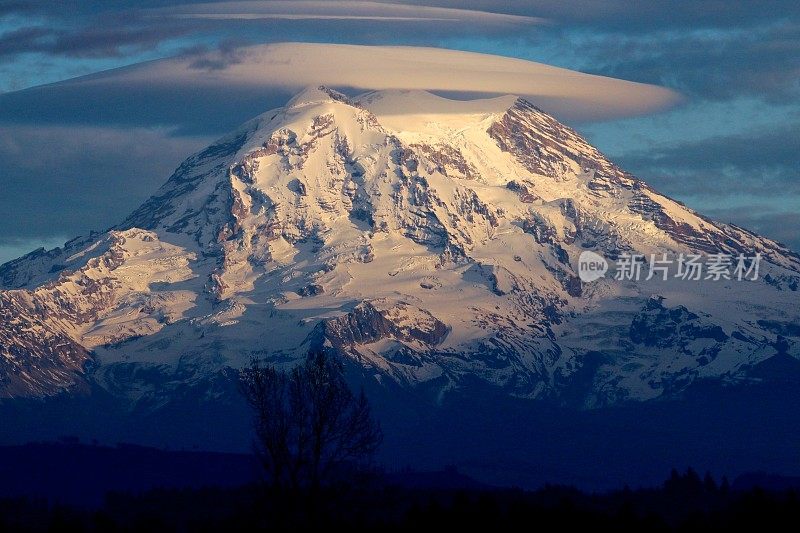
(75, 487)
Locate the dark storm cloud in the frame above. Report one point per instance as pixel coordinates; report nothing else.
(761, 163)
(227, 53)
(88, 30)
(762, 62)
(99, 40)
(23, 40)
(108, 29)
(16, 7)
(636, 15)
(780, 226)
(71, 8)
(193, 110)
(628, 15)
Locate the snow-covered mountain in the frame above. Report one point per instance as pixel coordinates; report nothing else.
(433, 242)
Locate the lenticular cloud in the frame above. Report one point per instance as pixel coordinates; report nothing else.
(227, 87)
(564, 92)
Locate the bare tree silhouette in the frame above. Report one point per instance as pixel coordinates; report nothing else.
(307, 421)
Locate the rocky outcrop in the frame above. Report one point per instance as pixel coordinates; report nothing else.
(657, 325)
(370, 322)
(35, 358)
(546, 147)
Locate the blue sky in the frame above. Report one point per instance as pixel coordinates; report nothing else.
(731, 148)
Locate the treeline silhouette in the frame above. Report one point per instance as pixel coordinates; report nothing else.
(308, 424)
(314, 440)
(684, 502)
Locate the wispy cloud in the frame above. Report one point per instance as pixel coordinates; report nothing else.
(64, 181)
(636, 16)
(762, 62)
(338, 10)
(119, 28)
(753, 164)
(93, 41)
(715, 50)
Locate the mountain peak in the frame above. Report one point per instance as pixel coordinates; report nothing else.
(413, 109)
(317, 94)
